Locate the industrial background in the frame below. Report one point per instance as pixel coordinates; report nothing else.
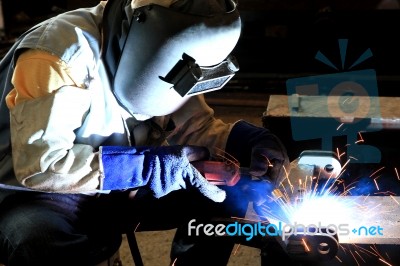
(279, 42)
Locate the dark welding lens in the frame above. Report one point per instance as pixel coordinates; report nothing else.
(188, 78)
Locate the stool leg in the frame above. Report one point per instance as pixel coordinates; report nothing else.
(133, 245)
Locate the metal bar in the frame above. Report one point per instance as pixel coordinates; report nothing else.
(374, 220)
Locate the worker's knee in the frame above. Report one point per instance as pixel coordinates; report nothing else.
(34, 236)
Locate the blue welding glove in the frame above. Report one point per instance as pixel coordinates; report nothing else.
(160, 169)
(260, 150)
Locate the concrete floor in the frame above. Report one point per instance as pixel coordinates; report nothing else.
(155, 246)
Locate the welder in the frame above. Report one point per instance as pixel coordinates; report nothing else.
(102, 111)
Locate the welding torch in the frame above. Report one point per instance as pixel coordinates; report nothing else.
(321, 166)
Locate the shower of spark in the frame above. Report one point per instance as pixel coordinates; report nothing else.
(324, 202)
(311, 201)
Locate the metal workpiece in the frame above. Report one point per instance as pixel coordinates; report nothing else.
(309, 199)
(296, 247)
(326, 164)
(318, 247)
(313, 172)
(307, 219)
(355, 219)
(368, 219)
(368, 225)
(315, 107)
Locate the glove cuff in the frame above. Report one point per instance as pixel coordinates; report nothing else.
(244, 136)
(122, 167)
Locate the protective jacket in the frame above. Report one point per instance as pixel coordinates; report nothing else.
(60, 110)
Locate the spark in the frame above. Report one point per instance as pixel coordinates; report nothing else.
(357, 249)
(344, 167)
(269, 162)
(397, 174)
(287, 178)
(338, 259)
(137, 226)
(305, 182)
(376, 183)
(269, 215)
(362, 207)
(354, 258)
(394, 199)
(366, 197)
(343, 248)
(316, 185)
(236, 249)
(347, 191)
(331, 187)
(305, 245)
(339, 155)
(227, 158)
(345, 100)
(387, 255)
(388, 193)
(366, 250)
(387, 263)
(354, 158)
(360, 140)
(173, 263)
(377, 171)
(359, 255)
(374, 207)
(329, 190)
(341, 124)
(376, 251)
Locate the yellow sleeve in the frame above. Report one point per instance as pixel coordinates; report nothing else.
(37, 73)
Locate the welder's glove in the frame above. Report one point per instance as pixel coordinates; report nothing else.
(160, 169)
(260, 150)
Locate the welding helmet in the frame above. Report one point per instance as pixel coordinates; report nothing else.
(157, 57)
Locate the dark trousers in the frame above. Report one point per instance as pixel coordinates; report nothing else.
(72, 229)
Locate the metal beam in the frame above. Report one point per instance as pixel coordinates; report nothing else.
(375, 219)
